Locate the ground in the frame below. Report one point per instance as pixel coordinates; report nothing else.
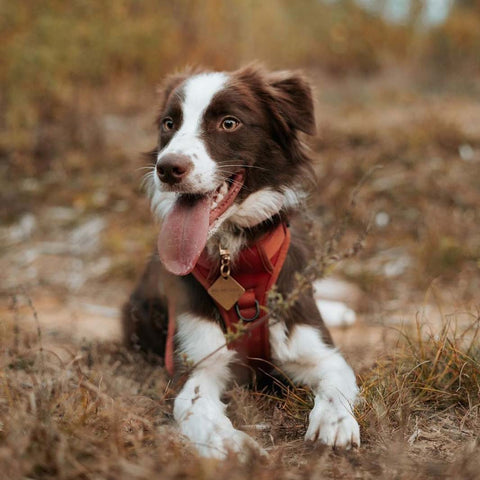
(75, 404)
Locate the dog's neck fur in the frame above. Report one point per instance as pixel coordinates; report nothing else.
(233, 238)
(252, 220)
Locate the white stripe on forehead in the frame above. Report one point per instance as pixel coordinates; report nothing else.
(198, 93)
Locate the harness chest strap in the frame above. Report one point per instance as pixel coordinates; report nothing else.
(256, 269)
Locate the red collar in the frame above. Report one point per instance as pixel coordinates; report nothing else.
(256, 269)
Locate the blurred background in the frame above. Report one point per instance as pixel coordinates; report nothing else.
(397, 86)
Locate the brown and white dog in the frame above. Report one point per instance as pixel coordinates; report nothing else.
(229, 168)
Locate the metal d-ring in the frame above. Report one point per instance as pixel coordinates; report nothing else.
(255, 316)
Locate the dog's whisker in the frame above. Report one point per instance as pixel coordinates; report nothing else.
(228, 174)
(147, 179)
(241, 184)
(150, 171)
(242, 166)
(148, 174)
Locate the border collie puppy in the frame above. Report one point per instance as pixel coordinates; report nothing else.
(229, 170)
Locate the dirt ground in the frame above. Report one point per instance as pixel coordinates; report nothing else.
(75, 404)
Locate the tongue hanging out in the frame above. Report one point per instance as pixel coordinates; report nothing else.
(184, 231)
(184, 234)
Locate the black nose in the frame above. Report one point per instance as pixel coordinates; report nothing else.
(172, 168)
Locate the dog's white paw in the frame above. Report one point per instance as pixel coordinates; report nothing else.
(217, 438)
(220, 443)
(331, 422)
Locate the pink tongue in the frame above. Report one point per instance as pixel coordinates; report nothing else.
(184, 234)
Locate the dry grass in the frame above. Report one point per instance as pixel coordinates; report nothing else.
(428, 374)
(98, 411)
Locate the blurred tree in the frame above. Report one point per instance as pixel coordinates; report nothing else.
(470, 4)
(56, 56)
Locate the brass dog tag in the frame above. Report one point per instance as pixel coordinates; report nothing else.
(226, 291)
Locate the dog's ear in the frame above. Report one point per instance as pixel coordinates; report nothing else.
(293, 99)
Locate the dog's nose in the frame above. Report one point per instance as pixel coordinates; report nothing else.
(172, 168)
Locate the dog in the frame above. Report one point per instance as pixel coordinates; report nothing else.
(229, 173)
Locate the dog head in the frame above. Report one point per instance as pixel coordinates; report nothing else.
(229, 154)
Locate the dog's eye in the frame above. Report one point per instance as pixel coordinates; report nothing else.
(229, 124)
(168, 124)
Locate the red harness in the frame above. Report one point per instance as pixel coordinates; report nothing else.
(256, 270)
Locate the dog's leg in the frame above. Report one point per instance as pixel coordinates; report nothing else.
(198, 408)
(144, 315)
(306, 358)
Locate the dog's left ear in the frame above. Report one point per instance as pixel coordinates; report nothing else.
(294, 101)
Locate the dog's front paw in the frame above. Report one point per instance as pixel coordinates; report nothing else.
(238, 442)
(217, 438)
(331, 422)
(221, 443)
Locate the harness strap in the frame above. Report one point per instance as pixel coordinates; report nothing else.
(169, 355)
(257, 269)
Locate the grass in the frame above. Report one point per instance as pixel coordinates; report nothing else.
(427, 374)
(97, 411)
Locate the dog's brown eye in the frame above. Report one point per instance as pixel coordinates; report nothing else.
(230, 124)
(168, 124)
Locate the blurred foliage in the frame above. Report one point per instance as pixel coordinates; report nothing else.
(77, 79)
(455, 45)
(53, 52)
